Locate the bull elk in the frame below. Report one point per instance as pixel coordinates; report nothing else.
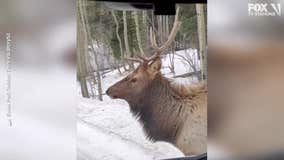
(168, 112)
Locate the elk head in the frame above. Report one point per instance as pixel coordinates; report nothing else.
(136, 83)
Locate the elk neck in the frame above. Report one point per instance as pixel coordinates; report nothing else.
(157, 109)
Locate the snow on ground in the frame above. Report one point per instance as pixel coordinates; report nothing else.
(107, 130)
(180, 66)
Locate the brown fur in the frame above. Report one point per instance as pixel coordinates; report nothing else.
(172, 113)
(189, 90)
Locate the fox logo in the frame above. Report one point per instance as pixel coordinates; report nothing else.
(259, 7)
(277, 8)
(264, 9)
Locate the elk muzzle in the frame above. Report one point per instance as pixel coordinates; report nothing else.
(110, 93)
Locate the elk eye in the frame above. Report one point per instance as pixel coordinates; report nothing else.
(133, 80)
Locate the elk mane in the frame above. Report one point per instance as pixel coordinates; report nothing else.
(162, 109)
(187, 89)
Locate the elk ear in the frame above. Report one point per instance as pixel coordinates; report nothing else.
(154, 67)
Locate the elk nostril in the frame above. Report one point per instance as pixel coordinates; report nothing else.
(111, 95)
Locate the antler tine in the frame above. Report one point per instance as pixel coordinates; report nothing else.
(135, 60)
(154, 56)
(153, 39)
(171, 37)
(173, 33)
(143, 58)
(159, 50)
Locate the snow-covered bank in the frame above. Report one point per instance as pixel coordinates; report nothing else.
(107, 130)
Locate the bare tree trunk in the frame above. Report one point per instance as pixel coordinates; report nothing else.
(173, 47)
(85, 21)
(172, 60)
(160, 29)
(125, 34)
(98, 75)
(128, 54)
(201, 38)
(82, 48)
(145, 25)
(144, 31)
(138, 33)
(167, 26)
(144, 17)
(153, 24)
(119, 39)
(118, 68)
(92, 83)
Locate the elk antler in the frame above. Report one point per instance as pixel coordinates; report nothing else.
(158, 50)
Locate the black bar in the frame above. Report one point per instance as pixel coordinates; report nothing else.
(199, 157)
(152, 1)
(160, 7)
